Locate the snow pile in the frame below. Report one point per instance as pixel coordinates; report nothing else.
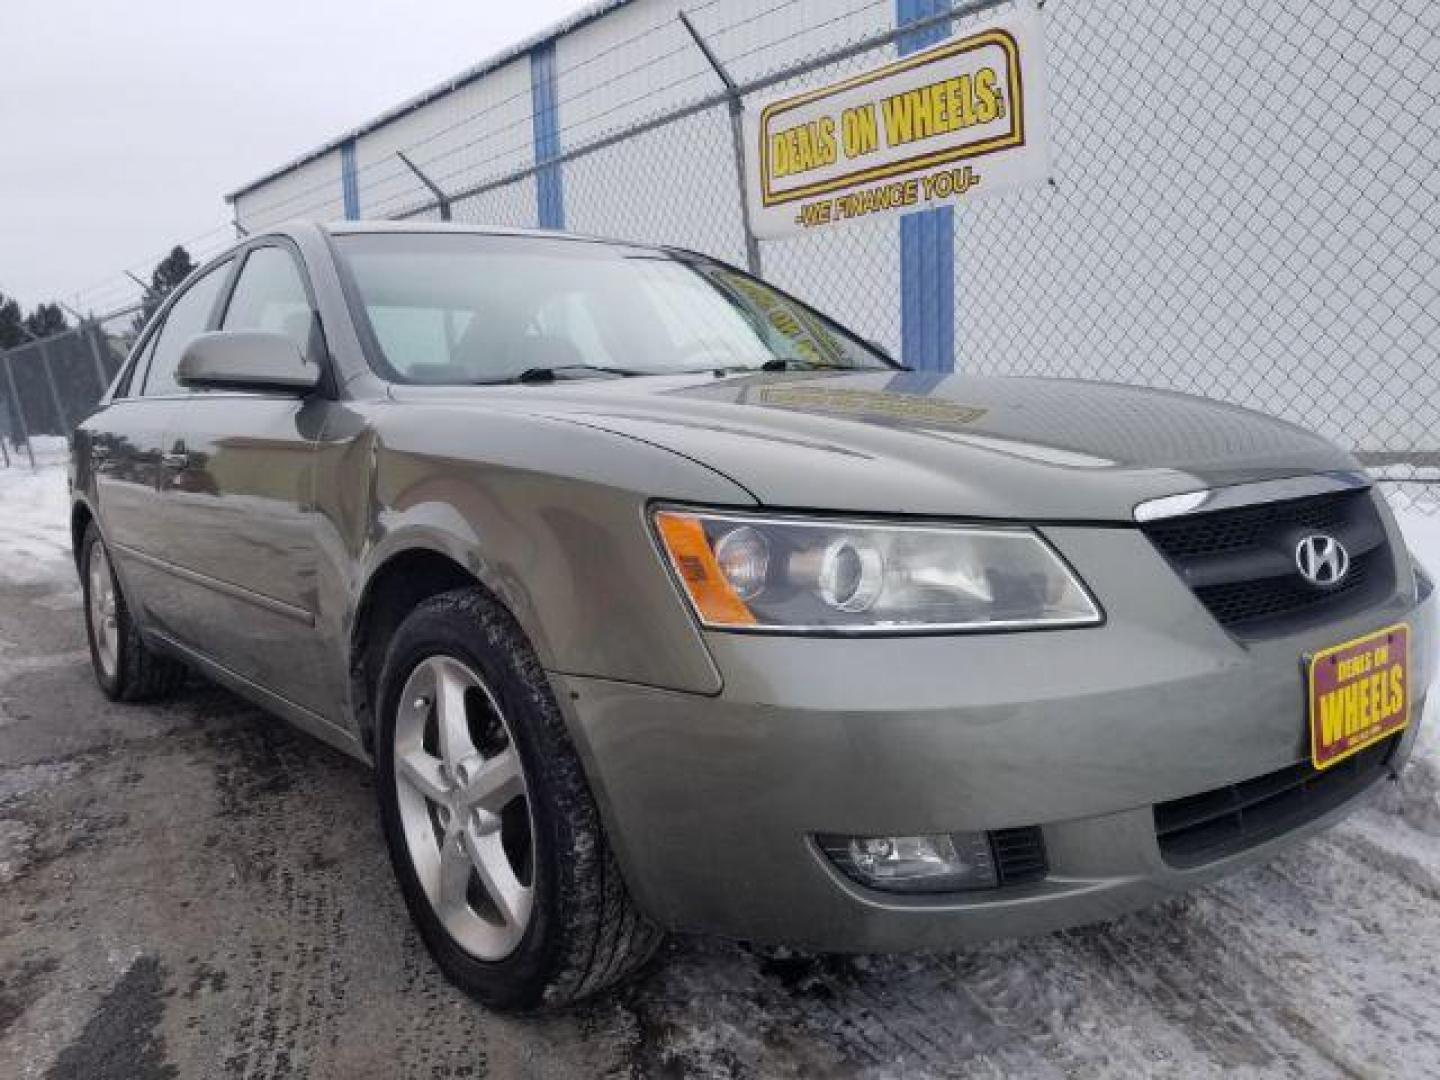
(1421, 525)
(35, 516)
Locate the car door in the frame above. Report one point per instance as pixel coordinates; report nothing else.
(238, 500)
(126, 450)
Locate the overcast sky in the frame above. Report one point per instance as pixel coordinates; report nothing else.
(123, 124)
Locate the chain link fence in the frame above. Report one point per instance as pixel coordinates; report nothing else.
(1243, 204)
(1245, 207)
(49, 385)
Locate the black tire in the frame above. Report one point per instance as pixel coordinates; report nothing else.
(139, 672)
(584, 932)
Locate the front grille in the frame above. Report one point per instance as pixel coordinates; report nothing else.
(1240, 603)
(1241, 562)
(1019, 855)
(1250, 526)
(1211, 825)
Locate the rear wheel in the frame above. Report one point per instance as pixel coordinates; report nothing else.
(494, 835)
(126, 668)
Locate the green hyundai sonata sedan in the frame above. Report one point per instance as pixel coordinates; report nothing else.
(660, 601)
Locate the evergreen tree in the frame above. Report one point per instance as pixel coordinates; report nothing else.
(169, 272)
(12, 324)
(46, 320)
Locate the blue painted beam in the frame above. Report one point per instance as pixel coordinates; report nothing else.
(349, 181)
(927, 243)
(544, 102)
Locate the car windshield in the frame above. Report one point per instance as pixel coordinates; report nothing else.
(457, 308)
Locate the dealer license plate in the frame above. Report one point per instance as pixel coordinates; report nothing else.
(1359, 694)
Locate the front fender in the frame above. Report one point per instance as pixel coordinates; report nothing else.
(550, 517)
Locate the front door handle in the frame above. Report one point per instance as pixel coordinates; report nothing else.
(175, 461)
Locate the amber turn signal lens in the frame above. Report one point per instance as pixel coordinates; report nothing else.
(694, 561)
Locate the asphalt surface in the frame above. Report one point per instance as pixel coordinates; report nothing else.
(195, 890)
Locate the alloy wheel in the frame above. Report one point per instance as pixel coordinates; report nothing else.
(103, 613)
(465, 807)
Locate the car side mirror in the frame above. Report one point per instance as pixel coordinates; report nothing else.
(246, 360)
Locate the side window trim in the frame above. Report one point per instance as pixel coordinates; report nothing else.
(142, 360)
(138, 360)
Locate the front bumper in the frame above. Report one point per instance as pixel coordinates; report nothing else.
(712, 803)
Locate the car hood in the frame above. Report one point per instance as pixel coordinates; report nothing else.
(915, 443)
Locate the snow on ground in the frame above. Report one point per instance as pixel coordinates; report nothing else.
(34, 515)
(1321, 963)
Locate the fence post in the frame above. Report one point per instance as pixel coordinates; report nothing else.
(19, 408)
(60, 413)
(91, 331)
(736, 105)
(440, 197)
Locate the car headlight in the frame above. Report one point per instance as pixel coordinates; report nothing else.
(793, 575)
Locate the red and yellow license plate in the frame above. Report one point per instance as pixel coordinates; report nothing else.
(1359, 694)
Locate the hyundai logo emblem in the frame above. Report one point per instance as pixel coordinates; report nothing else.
(1322, 560)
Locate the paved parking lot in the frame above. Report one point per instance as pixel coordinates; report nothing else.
(194, 890)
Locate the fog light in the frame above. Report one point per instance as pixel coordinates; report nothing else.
(948, 862)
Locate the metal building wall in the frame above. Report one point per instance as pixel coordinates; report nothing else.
(636, 63)
(474, 131)
(313, 191)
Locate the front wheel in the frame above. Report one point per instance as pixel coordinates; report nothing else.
(493, 833)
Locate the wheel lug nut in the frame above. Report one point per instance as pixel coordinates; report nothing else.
(467, 770)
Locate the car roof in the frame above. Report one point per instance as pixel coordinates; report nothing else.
(340, 228)
(364, 228)
(352, 228)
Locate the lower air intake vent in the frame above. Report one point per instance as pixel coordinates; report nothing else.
(1214, 824)
(1019, 855)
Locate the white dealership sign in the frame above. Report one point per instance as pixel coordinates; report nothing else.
(964, 118)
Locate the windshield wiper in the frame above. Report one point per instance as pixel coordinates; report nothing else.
(784, 364)
(776, 364)
(552, 374)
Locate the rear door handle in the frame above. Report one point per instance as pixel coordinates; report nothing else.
(175, 461)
